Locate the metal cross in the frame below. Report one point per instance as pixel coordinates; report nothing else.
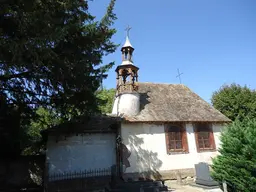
(179, 74)
(128, 28)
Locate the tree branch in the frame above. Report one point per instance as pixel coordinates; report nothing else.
(18, 75)
(23, 91)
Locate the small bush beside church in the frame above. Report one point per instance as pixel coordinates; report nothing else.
(236, 163)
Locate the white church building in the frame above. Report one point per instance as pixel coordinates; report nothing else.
(155, 130)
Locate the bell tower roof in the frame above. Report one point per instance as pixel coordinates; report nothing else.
(127, 50)
(127, 42)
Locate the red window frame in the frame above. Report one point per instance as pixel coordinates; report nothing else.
(204, 137)
(176, 138)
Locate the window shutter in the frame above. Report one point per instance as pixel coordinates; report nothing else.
(166, 138)
(212, 140)
(196, 137)
(184, 139)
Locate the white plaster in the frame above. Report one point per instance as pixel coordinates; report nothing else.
(82, 152)
(127, 62)
(148, 148)
(127, 104)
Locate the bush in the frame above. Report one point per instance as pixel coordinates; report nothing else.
(235, 101)
(236, 163)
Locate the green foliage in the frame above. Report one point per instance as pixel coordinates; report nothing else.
(235, 101)
(51, 56)
(237, 160)
(34, 143)
(106, 97)
(45, 120)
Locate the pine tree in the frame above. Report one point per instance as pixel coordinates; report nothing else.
(236, 163)
(51, 55)
(51, 51)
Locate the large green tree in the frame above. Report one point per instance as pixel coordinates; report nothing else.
(236, 163)
(106, 97)
(50, 53)
(51, 56)
(235, 101)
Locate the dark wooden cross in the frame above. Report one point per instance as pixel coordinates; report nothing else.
(128, 28)
(179, 74)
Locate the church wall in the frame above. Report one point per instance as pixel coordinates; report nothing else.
(147, 145)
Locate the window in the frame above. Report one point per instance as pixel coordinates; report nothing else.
(204, 137)
(176, 138)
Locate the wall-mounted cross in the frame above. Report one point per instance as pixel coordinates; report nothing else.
(127, 29)
(179, 74)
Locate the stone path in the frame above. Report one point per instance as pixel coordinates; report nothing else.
(174, 187)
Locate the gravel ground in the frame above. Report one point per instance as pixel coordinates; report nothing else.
(175, 187)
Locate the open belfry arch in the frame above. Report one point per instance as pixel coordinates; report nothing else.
(127, 78)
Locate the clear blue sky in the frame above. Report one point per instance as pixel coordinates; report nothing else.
(212, 42)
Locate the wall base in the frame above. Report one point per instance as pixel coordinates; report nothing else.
(163, 175)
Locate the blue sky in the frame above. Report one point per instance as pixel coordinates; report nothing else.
(212, 42)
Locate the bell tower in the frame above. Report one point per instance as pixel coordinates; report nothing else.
(127, 72)
(127, 96)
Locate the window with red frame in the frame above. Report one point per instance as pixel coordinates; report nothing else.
(176, 138)
(204, 137)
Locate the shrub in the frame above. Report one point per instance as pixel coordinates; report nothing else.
(236, 163)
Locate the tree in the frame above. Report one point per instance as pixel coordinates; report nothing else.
(236, 163)
(34, 143)
(106, 97)
(235, 101)
(51, 56)
(10, 132)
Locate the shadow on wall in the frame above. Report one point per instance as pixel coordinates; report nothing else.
(147, 162)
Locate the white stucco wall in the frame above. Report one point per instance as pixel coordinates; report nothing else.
(127, 104)
(80, 152)
(148, 148)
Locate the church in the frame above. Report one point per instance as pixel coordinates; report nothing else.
(168, 127)
(155, 130)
